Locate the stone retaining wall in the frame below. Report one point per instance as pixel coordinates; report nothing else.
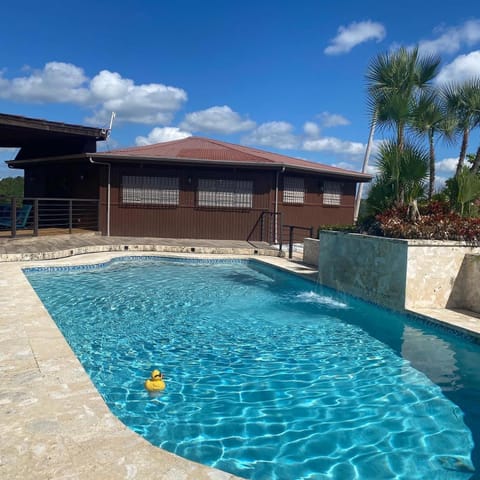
(311, 251)
(399, 273)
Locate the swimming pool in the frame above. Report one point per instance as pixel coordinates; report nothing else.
(268, 375)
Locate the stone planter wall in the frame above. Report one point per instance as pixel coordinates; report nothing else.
(398, 273)
(311, 251)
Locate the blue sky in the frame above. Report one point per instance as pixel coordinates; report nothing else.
(285, 76)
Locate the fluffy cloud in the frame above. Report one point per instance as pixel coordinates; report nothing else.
(57, 82)
(462, 68)
(147, 103)
(355, 34)
(334, 145)
(273, 134)
(452, 39)
(311, 129)
(107, 91)
(159, 135)
(447, 166)
(216, 119)
(333, 119)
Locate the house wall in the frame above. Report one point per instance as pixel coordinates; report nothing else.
(313, 213)
(72, 180)
(83, 179)
(187, 220)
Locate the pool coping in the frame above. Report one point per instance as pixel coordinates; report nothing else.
(55, 424)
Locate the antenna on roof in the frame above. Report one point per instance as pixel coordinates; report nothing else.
(112, 118)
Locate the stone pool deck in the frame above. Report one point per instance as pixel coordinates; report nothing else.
(54, 424)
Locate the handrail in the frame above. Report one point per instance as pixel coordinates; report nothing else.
(262, 223)
(48, 212)
(290, 236)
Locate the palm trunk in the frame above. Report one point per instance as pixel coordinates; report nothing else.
(358, 198)
(476, 162)
(431, 180)
(463, 151)
(400, 136)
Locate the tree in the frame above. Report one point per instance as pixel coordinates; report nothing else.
(463, 103)
(11, 187)
(403, 172)
(395, 81)
(429, 118)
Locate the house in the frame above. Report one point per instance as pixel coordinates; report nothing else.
(195, 188)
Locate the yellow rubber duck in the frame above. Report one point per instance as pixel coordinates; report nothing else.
(155, 383)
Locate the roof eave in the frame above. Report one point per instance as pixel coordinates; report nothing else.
(356, 176)
(360, 177)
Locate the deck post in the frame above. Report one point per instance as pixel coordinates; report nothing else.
(70, 211)
(290, 241)
(35, 217)
(13, 219)
(262, 215)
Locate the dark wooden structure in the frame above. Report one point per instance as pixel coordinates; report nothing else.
(193, 188)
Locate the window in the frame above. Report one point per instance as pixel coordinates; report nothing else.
(332, 193)
(293, 190)
(150, 190)
(225, 193)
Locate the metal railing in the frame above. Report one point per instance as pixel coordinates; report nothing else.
(268, 229)
(32, 214)
(295, 237)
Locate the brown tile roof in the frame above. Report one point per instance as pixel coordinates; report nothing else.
(205, 150)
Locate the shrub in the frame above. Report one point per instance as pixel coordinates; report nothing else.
(436, 222)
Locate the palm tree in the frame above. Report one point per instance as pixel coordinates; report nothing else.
(403, 172)
(394, 81)
(463, 103)
(429, 119)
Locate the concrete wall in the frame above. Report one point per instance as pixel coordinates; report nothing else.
(399, 273)
(311, 251)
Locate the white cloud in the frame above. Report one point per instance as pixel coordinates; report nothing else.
(344, 165)
(334, 145)
(57, 82)
(451, 39)
(146, 103)
(164, 134)
(333, 119)
(447, 166)
(216, 119)
(273, 134)
(464, 67)
(355, 34)
(107, 91)
(311, 129)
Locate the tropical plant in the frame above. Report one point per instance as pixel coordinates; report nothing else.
(395, 80)
(429, 119)
(463, 103)
(463, 189)
(403, 172)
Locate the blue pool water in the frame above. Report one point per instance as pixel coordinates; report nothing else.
(270, 376)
